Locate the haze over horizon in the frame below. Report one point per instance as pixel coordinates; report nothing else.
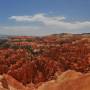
(43, 17)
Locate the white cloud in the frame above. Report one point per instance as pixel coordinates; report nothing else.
(37, 31)
(19, 30)
(45, 25)
(52, 21)
(37, 17)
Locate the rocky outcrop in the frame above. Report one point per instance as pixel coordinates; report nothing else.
(69, 80)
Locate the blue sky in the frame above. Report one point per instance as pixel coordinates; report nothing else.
(42, 17)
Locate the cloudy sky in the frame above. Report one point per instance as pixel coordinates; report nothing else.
(43, 17)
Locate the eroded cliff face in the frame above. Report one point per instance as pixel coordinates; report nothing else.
(69, 80)
(57, 62)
